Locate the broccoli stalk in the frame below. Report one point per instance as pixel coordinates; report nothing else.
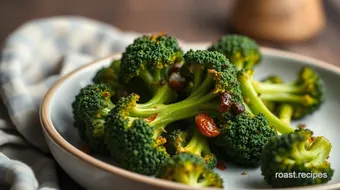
(285, 112)
(255, 103)
(273, 79)
(299, 153)
(306, 94)
(242, 51)
(190, 141)
(145, 123)
(189, 169)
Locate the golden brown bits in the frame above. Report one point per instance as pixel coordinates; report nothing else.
(152, 118)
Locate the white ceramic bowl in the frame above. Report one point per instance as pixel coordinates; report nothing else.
(94, 172)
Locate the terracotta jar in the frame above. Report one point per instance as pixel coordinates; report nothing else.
(279, 20)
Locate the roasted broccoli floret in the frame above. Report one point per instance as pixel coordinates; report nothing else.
(134, 131)
(205, 68)
(149, 58)
(242, 51)
(190, 141)
(306, 94)
(90, 108)
(189, 169)
(243, 137)
(298, 155)
(256, 105)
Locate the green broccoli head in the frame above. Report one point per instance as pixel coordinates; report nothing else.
(306, 94)
(297, 153)
(314, 87)
(242, 51)
(211, 72)
(132, 144)
(190, 141)
(149, 58)
(129, 117)
(189, 169)
(243, 137)
(90, 109)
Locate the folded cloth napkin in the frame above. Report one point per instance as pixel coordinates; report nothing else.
(33, 58)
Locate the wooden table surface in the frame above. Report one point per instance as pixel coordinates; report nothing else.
(190, 20)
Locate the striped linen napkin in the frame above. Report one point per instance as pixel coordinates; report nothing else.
(33, 58)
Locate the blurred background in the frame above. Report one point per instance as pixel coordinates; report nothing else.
(308, 27)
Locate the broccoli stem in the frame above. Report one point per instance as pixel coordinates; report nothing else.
(247, 108)
(164, 94)
(238, 64)
(147, 77)
(197, 79)
(285, 113)
(185, 109)
(197, 145)
(254, 102)
(305, 100)
(157, 75)
(204, 87)
(267, 88)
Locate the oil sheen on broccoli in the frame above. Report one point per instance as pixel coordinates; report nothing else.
(296, 153)
(134, 131)
(241, 51)
(189, 169)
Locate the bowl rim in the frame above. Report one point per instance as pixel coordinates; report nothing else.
(50, 130)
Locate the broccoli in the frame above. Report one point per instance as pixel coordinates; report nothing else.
(90, 108)
(109, 75)
(273, 79)
(242, 51)
(284, 111)
(189, 169)
(190, 141)
(133, 130)
(306, 94)
(243, 137)
(297, 153)
(253, 101)
(149, 58)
